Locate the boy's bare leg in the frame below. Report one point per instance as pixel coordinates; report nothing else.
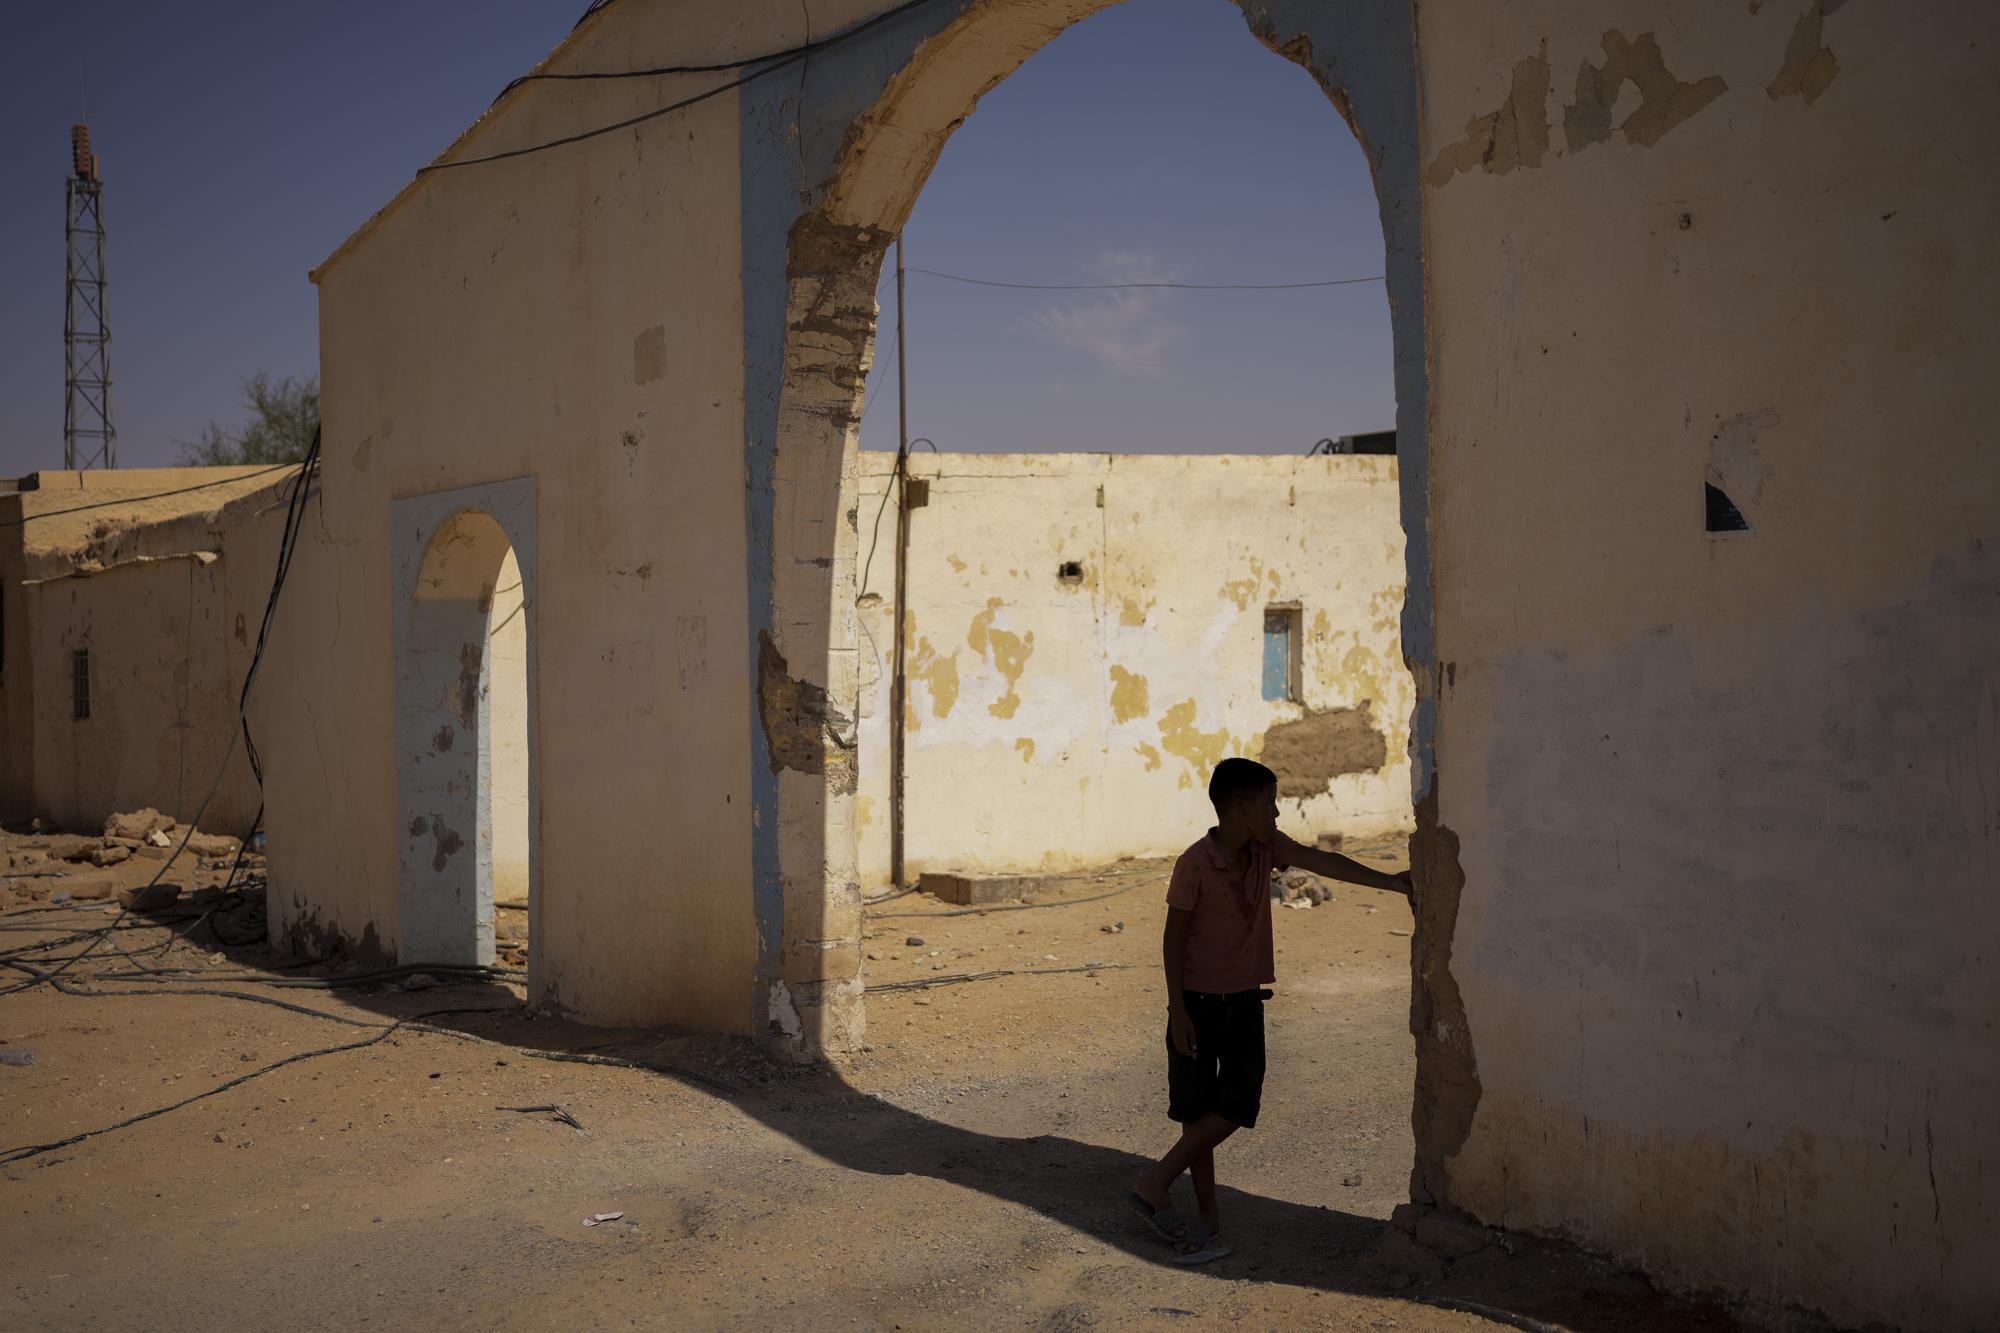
(1198, 1139)
(1203, 1172)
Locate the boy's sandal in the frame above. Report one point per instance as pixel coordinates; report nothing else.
(1165, 1222)
(1198, 1247)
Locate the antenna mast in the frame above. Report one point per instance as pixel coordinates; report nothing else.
(89, 439)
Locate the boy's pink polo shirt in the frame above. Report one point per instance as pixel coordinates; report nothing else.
(1229, 938)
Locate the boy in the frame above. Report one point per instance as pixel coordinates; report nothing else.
(1217, 953)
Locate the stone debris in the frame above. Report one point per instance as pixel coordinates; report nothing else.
(138, 825)
(1116, 928)
(159, 838)
(214, 845)
(110, 854)
(91, 888)
(915, 942)
(150, 897)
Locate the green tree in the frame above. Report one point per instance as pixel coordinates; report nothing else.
(284, 414)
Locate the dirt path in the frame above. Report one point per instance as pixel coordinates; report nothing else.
(965, 1171)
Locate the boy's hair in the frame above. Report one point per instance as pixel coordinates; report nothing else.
(1234, 779)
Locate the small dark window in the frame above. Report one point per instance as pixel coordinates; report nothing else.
(79, 684)
(1723, 515)
(1069, 571)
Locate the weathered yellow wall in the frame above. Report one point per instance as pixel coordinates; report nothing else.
(573, 318)
(1057, 725)
(166, 593)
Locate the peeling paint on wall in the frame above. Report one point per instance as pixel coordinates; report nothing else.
(1516, 135)
(1180, 737)
(1809, 66)
(1128, 694)
(1010, 653)
(938, 672)
(800, 726)
(1665, 100)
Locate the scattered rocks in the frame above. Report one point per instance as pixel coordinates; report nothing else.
(91, 888)
(1116, 928)
(138, 825)
(215, 845)
(915, 941)
(70, 848)
(109, 854)
(150, 898)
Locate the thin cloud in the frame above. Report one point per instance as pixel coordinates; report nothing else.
(1125, 332)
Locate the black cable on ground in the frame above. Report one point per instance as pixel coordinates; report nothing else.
(959, 978)
(36, 1149)
(414, 1023)
(457, 971)
(70, 988)
(1007, 907)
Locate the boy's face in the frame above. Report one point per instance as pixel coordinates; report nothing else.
(1255, 814)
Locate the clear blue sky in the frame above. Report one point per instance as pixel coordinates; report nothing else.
(241, 143)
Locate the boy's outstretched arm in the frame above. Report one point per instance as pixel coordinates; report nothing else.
(1332, 865)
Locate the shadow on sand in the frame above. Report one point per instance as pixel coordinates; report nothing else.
(1079, 1185)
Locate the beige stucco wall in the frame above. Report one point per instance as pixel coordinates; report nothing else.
(571, 318)
(1725, 807)
(165, 587)
(1056, 725)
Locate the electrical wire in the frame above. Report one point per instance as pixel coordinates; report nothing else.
(778, 60)
(1146, 286)
(157, 495)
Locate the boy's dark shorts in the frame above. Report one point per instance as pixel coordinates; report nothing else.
(1226, 1072)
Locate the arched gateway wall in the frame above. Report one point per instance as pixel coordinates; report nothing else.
(1708, 832)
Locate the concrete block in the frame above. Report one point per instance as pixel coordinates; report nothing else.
(88, 887)
(973, 890)
(149, 897)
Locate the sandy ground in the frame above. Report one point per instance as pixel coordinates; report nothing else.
(966, 1170)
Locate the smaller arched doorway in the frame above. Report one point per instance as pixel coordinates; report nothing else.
(467, 810)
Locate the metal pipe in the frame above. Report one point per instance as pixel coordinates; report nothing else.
(897, 683)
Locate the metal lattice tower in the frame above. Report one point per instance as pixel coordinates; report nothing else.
(89, 438)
